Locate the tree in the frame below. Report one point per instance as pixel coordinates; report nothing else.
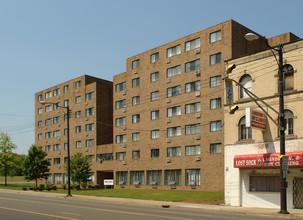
(79, 168)
(6, 154)
(15, 168)
(35, 166)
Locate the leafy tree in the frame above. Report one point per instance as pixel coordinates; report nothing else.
(15, 168)
(79, 168)
(6, 154)
(35, 166)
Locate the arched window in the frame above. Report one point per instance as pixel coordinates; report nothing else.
(289, 122)
(244, 132)
(288, 75)
(246, 82)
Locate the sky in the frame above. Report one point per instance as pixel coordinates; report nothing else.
(47, 42)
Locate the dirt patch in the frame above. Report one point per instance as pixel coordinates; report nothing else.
(219, 202)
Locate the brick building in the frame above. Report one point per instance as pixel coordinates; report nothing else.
(166, 127)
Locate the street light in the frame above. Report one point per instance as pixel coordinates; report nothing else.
(68, 151)
(283, 158)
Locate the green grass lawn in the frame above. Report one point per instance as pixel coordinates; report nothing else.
(159, 195)
(13, 179)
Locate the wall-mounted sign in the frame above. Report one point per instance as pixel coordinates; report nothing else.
(108, 182)
(255, 119)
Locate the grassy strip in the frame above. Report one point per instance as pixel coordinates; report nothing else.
(13, 179)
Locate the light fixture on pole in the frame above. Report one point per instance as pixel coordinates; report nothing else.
(283, 157)
(68, 148)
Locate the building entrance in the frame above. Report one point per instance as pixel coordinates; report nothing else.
(104, 175)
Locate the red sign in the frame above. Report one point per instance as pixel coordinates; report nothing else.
(255, 119)
(295, 158)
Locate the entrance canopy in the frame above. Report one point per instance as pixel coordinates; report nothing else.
(295, 158)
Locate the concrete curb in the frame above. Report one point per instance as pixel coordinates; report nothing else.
(294, 213)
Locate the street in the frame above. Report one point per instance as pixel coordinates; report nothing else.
(15, 206)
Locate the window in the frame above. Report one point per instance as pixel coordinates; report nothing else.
(49, 179)
(193, 44)
(154, 77)
(155, 115)
(215, 81)
(56, 92)
(89, 111)
(136, 154)
(78, 144)
(192, 108)
(65, 131)
(56, 120)
(288, 73)
(90, 143)
(136, 136)
(121, 104)
(154, 96)
(216, 148)
(136, 82)
(245, 82)
(122, 177)
(264, 184)
(154, 153)
(40, 136)
(193, 65)
(192, 177)
(154, 57)
(136, 118)
(57, 133)
(154, 134)
(66, 103)
(192, 129)
(90, 127)
(56, 105)
(192, 86)
(173, 51)
(121, 138)
(192, 150)
(48, 108)
(77, 114)
(120, 86)
(174, 91)
(215, 36)
(39, 124)
(154, 177)
(57, 160)
(39, 98)
(65, 88)
(78, 99)
(48, 135)
(172, 177)
(48, 95)
(57, 147)
(89, 96)
(215, 103)
(65, 146)
(39, 111)
(121, 156)
(136, 177)
(78, 129)
(174, 111)
(174, 131)
(174, 151)
(135, 64)
(78, 84)
(48, 148)
(173, 71)
(48, 121)
(215, 126)
(120, 121)
(136, 100)
(215, 58)
(91, 158)
(289, 122)
(49, 160)
(105, 157)
(244, 132)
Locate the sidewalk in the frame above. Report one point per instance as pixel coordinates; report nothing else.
(294, 213)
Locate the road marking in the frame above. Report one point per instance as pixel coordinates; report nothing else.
(37, 213)
(69, 213)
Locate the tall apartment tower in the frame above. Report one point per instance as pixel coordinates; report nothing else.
(90, 101)
(168, 113)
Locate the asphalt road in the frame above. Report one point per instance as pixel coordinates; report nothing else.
(15, 206)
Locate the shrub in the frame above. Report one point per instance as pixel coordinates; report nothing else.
(24, 188)
(77, 186)
(97, 186)
(31, 188)
(41, 187)
(89, 186)
(84, 185)
(64, 186)
(48, 187)
(54, 187)
(93, 186)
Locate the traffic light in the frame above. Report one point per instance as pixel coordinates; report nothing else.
(231, 67)
(233, 108)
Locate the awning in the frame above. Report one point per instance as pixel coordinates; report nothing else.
(295, 158)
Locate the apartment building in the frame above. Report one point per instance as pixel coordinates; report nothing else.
(90, 101)
(168, 111)
(252, 162)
